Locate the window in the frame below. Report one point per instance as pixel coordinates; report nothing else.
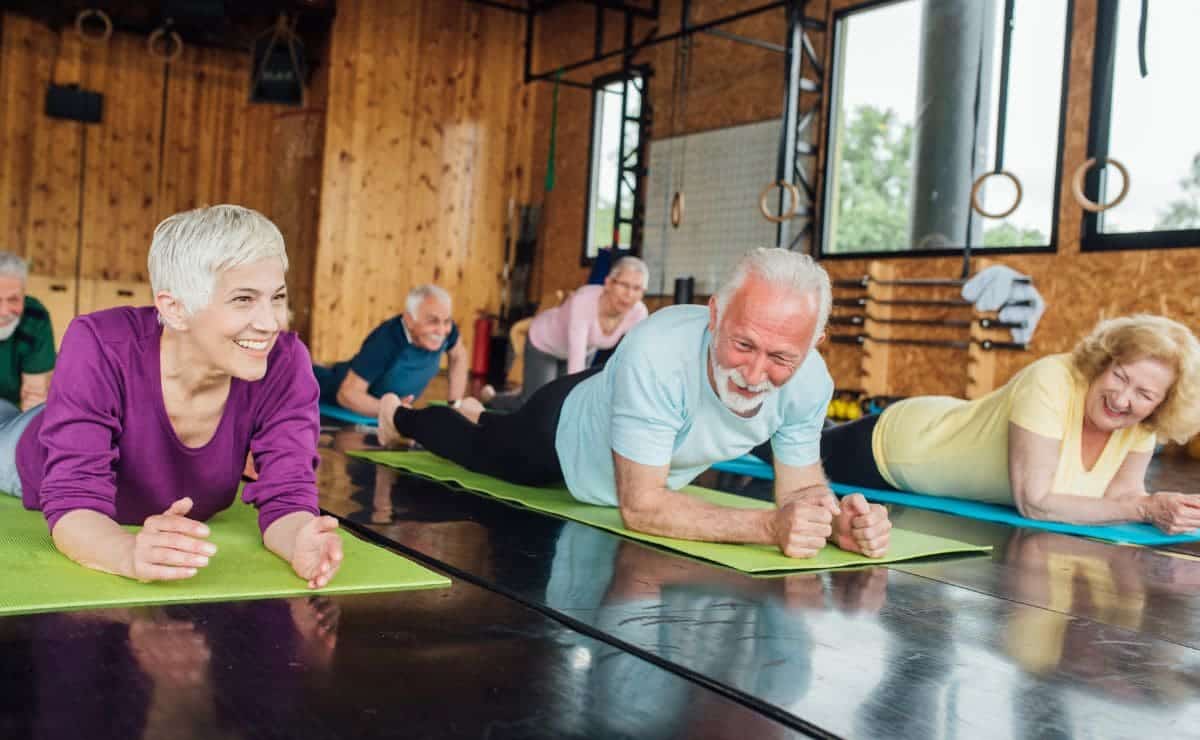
(1147, 124)
(927, 99)
(614, 205)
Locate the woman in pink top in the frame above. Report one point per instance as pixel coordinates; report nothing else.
(563, 339)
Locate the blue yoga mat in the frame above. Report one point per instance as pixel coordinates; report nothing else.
(747, 465)
(341, 414)
(1136, 533)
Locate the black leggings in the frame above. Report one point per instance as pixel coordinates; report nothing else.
(516, 447)
(846, 454)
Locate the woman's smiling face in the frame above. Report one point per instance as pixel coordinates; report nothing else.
(1126, 393)
(238, 328)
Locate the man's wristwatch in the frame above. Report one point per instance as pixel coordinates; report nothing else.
(454, 404)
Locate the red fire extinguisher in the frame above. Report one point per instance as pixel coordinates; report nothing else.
(481, 347)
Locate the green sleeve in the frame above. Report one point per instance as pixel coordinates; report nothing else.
(40, 358)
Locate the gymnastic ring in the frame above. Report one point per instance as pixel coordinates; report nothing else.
(792, 191)
(88, 14)
(1088, 204)
(677, 204)
(176, 45)
(979, 185)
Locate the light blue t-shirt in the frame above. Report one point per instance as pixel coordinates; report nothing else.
(653, 404)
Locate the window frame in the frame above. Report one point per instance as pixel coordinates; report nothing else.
(828, 108)
(1099, 131)
(639, 191)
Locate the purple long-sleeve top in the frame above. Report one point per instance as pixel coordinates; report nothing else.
(105, 442)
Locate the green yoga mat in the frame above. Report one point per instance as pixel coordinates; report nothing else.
(747, 558)
(35, 577)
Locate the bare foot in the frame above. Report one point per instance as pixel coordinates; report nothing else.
(487, 393)
(471, 408)
(388, 436)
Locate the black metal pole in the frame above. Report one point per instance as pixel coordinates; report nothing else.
(791, 104)
(599, 41)
(655, 40)
(947, 343)
(528, 45)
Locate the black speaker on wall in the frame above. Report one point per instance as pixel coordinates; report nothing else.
(73, 103)
(279, 71)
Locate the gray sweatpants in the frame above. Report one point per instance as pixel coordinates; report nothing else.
(540, 369)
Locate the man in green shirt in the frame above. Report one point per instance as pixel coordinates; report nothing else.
(26, 341)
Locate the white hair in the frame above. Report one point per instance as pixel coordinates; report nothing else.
(419, 294)
(191, 248)
(14, 266)
(631, 264)
(794, 271)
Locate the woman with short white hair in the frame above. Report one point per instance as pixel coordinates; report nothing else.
(153, 411)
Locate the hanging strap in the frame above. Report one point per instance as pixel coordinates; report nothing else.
(977, 107)
(549, 184)
(1142, 38)
(1005, 63)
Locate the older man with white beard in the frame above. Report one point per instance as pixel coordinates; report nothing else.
(687, 388)
(27, 353)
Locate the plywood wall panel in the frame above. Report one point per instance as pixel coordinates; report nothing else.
(419, 162)
(121, 162)
(40, 167)
(202, 153)
(84, 198)
(220, 148)
(24, 70)
(297, 141)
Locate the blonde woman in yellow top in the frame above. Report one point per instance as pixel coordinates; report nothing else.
(1068, 438)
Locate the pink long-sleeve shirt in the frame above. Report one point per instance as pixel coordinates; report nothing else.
(572, 330)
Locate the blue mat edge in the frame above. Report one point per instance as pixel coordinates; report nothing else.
(341, 414)
(1136, 533)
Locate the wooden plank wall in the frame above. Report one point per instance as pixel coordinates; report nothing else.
(220, 148)
(1080, 288)
(40, 165)
(81, 201)
(425, 142)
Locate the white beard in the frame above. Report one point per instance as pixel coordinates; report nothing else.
(734, 401)
(7, 330)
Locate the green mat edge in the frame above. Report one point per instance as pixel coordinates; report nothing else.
(432, 580)
(676, 546)
(441, 582)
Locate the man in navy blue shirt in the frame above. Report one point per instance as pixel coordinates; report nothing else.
(400, 356)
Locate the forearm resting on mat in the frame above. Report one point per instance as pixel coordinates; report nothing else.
(280, 537)
(353, 395)
(1032, 462)
(648, 506)
(310, 544)
(95, 541)
(169, 546)
(800, 483)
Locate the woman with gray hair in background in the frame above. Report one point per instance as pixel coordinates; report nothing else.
(153, 411)
(562, 340)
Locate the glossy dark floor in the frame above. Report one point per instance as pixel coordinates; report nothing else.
(1049, 636)
(554, 629)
